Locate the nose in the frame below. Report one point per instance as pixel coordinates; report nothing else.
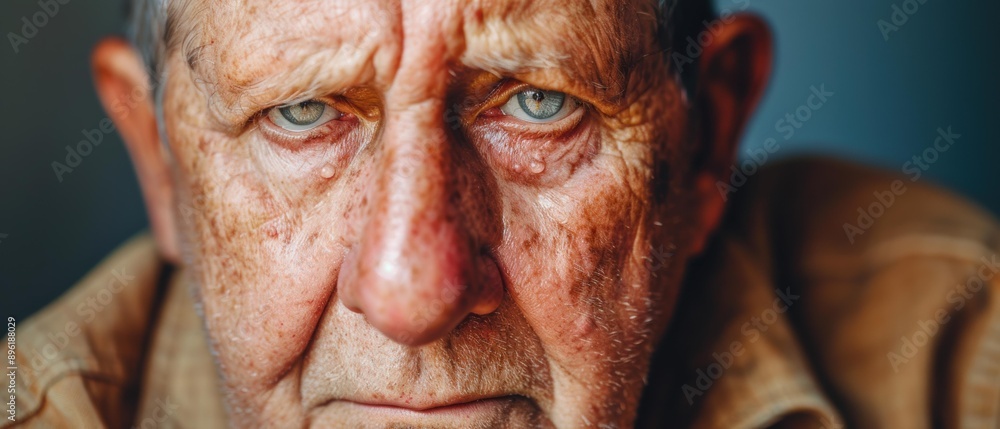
(421, 263)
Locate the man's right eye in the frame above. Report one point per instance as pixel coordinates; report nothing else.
(304, 116)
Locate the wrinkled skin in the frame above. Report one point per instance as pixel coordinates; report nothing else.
(425, 249)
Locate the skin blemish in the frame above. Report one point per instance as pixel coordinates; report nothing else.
(327, 171)
(271, 230)
(537, 166)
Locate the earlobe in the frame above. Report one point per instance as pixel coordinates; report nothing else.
(732, 74)
(123, 86)
(711, 206)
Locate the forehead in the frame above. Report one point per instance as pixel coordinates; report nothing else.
(241, 43)
(590, 19)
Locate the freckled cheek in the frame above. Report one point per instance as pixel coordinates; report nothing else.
(258, 230)
(587, 301)
(562, 257)
(535, 158)
(257, 341)
(263, 295)
(251, 188)
(268, 255)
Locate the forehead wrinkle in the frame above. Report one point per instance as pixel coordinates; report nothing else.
(301, 72)
(248, 57)
(593, 43)
(490, 25)
(590, 43)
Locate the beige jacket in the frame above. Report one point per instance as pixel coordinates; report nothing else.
(785, 322)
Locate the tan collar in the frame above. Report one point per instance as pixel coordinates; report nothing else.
(734, 362)
(122, 346)
(180, 366)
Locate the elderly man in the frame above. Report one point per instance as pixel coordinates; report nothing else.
(473, 214)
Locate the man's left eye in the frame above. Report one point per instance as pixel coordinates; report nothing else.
(539, 106)
(303, 116)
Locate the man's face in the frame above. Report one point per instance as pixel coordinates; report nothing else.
(470, 225)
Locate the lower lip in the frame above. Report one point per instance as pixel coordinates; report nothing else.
(474, 410)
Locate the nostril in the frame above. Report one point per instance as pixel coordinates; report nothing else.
(348, 274)
(491, 286)
(416, 310)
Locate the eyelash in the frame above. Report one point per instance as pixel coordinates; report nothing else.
(505, 91)
(488, 111)
(293, 139)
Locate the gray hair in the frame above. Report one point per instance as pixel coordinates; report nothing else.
(145, 25)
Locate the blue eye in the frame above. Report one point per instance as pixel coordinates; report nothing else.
(539, 106)
(303, 116)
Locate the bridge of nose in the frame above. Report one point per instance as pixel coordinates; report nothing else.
(417, 268)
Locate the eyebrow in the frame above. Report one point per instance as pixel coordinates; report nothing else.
(591, 67)
(240, 77)
(592, 49)
(559, 70)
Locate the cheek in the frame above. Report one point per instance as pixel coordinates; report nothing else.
(264, 249)
(571, 255)
(541, 159)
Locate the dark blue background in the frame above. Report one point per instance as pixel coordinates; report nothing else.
(938, 70)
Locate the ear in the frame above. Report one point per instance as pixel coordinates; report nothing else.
(123, 85)
(732, 74)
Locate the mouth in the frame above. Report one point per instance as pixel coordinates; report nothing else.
(426, 407)
(416, 413)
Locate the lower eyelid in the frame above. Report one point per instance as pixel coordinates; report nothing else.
(513, 146)
(557, 163)
(327, 132)
(538, 129)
